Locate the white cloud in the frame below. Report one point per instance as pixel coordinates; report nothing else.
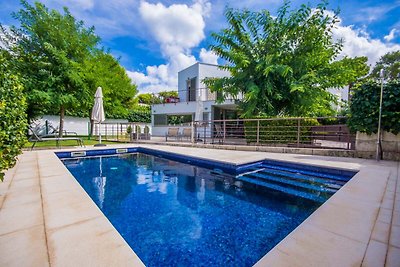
(390, 36)
(208, 57)
(357, 42)
(177, 29)
(374, 13)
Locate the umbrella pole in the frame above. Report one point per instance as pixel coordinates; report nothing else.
(99, 132)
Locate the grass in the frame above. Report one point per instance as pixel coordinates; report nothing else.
(67, 143)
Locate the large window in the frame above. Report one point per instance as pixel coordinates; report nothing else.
(160, 119)
(179, 119)
(191, 89)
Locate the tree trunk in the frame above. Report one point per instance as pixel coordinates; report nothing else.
(61, 128)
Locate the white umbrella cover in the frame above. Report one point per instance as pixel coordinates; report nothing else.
(98, 110)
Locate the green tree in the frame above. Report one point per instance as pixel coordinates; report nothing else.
(48, 52)
(148, 99)
(12, 115)
(390, 62)
(165, 94)
(282, 65)
(102, 69)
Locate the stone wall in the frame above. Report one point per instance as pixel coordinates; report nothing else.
(390, 145)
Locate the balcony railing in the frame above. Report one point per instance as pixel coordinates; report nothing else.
(202, 94)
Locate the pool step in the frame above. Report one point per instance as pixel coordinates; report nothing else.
(287, 181)
(306, 172)
(283, 189)
(302, 177)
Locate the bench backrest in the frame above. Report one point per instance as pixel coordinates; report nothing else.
(187, 132)
(173, 131)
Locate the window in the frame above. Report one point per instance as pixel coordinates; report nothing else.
(179, 119)
(160, 119)
(206, 116)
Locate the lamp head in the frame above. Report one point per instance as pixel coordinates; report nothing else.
(381, 74)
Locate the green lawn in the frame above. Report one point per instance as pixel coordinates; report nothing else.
(52, 144)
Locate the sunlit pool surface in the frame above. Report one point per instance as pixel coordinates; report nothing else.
(177, 214)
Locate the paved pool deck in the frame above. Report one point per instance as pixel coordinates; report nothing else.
(47, 219)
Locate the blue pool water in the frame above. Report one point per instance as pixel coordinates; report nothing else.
(177, 214)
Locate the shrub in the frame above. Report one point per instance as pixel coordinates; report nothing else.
(280, 131)
(364, 108)
(137, 115)
(12, 117)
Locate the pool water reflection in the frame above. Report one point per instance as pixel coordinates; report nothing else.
(176, 214)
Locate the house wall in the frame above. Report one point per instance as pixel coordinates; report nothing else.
(200, 71)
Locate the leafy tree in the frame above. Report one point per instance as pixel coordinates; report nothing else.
(282, 65)
(12, 116)
(390, 62)
(165, 94)
(148, 99)
(48, 52)
(364, 107)
(140, 115)
(102, 69)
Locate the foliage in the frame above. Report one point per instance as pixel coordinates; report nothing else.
(148, 99)
(390, 62)
(278, 131)
(282, 65)
(12, 116)
(140, 114)
(179, 119)
(49, 51)
(364, 107)
(165, 94)
(62, 65)
(102, 69)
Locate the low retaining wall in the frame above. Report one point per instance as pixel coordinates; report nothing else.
(390, 144)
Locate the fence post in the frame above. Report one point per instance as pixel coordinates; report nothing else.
(298, 132)
(193, 133)
(223, 141)
(205, 129)
(258, 132)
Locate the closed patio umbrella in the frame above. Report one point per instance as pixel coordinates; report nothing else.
(98, 111)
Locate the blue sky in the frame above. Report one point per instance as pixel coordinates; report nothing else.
(156, 39)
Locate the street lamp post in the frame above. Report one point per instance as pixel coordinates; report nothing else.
(378, 142)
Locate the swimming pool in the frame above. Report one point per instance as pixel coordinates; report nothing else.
(178, 214)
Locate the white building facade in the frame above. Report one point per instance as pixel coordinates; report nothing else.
(196, 102)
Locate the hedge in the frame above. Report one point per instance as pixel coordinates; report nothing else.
(280, 131)
(364, 107)
(139, 116)
(13, 123)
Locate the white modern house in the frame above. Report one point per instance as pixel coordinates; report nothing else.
(195, 103)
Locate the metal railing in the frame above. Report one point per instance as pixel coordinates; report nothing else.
(121, 132)
(202, 94)
(322, 132)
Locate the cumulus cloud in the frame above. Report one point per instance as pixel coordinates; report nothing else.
(357, 42)
(208, 57)
(390, 36)
(177, 29)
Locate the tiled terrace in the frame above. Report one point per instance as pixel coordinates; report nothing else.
(47, 219)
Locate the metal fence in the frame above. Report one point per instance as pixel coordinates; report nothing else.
(121, 132)
(322, 132)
